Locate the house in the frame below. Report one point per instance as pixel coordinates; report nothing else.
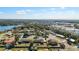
(10, 40)
(23, 41)
(52, 42)
(61, 36)
(70, 41)
(23, 38)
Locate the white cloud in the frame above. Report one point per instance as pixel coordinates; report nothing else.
(24, 14)
(20, 12)
(23, 11)
(65, 16)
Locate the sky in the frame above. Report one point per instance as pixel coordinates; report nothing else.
(39, 12)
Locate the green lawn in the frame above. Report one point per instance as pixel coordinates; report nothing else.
(19, 49)
(23, 44)
(2, 49)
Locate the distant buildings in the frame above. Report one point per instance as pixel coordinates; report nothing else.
(69, 27)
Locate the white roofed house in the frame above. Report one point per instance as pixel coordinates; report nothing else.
(61, 36)
(70, 40)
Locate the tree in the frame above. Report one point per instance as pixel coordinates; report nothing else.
(76, 26)
(9, 46)
(32, 47)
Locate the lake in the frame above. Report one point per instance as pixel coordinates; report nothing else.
(3, 28)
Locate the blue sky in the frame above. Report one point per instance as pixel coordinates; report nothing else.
(39, 12)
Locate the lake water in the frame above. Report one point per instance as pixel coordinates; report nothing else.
(3, 28)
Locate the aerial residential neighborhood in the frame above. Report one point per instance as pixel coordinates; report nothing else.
(40, 37)
(39, 29)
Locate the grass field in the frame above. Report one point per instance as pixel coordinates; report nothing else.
(2, 49)
(19, 49)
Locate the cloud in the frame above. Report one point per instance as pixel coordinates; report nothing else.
(51, 13)
(20, 12)
(40, 16)
(23, 11)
